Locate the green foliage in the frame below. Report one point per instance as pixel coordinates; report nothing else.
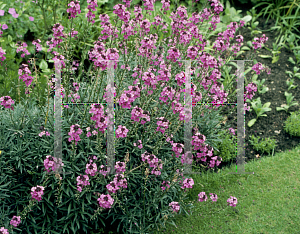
(264, 146)
(62, 209)
(290, 102)
(292, 124)
(23, 152)
(259, 109)
(227, 148)
(252, 2)
(231, 15)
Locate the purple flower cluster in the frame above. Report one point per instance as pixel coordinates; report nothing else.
(15, 221)
(165, 183)
(153, 161)
(74, 9)
(91, 168)
(127, 3)
(167, 93)
(23, 48)
(251, 88)
(173, 54)
(37, 192)
(98, 53)
(105, 201)
(175, 206)
(91, 7)
(25, 77)
(259, 41)
(43, 133)
(148, 5)
(2, 53)
(74, 90)
(232, 131)
(57, 32)
(259, 67)
(121, 131)
(128, 29)
(52, 162)
(3, 230)
(119, 181)
(12, 11)
(165, 5)
(82, 180)
(138, 113)
(188, 183)
(73, 33)
(89, 133)
(177, 148)
(120, 167)
(99, 117)
(163, 124)
(107, 28)
(207, 150)
(36, 43)
(6, 101)
(128, 97)
(232, 201)
(4, 26)
(140, 144)
(74, 133)
(120, 11)
(59, 57)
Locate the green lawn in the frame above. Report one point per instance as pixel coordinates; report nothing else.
(268, 200)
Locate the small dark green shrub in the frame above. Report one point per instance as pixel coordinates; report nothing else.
(292, 124)
(265, 146)
(227, 148)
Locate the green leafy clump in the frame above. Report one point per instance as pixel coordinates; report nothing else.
(227, 148)
(264, 146)
(292, 124)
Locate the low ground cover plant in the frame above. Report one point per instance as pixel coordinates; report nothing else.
(292, 124)
(265, 145)
(149, 186)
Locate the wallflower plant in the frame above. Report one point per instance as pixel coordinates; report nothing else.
(153, 154)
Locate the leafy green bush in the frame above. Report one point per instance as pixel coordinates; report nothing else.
(266, 145)
(292, 124)
(227, 148)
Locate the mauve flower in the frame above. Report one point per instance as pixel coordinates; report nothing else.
(31, 18)
(15, 15)
(11, 11)
(2, 12)
(4, 26)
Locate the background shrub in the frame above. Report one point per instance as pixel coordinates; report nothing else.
(227, 147)
(292, 124)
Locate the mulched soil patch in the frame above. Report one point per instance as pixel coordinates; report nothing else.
(265, 127)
